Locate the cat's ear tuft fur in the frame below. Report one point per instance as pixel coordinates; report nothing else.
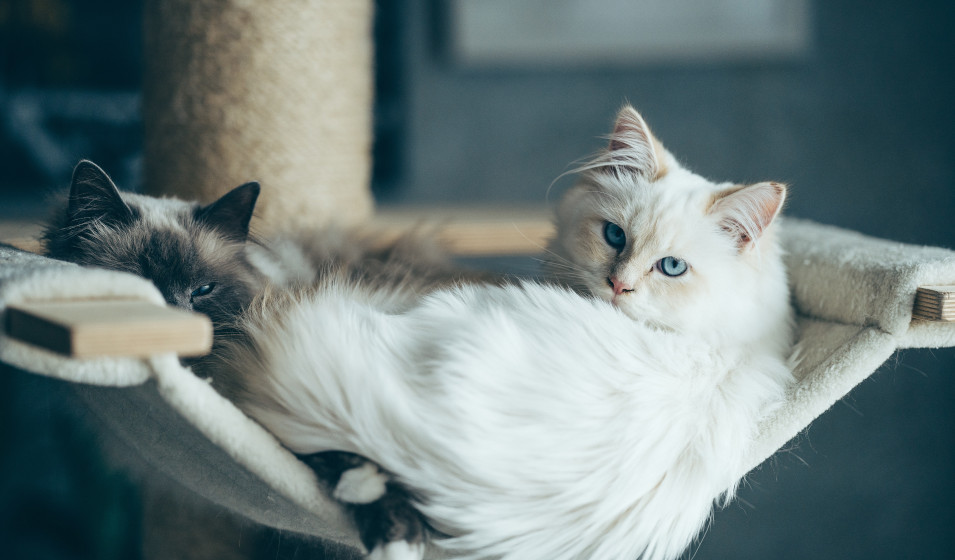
(745, 211)
(633, 146)
(94, 197)
(231, 214)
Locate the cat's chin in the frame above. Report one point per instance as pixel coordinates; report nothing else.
(602, 293)
(638, 315)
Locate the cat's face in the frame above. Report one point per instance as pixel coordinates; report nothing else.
(665, 245)
(195, 255)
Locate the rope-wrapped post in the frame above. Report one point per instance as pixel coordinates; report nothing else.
(275, 92)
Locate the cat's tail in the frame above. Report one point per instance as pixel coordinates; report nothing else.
(318, 368)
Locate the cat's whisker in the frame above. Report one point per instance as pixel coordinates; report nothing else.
(555, 260)
(545, 250)
(568, 268)
(568, 273)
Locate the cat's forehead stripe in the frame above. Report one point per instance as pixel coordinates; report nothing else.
(162, 213)
(164, 241)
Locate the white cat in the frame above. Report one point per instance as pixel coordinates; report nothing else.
(667, 246)
(526, 422)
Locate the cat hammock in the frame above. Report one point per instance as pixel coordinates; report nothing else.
(854, 297)
(281, 93)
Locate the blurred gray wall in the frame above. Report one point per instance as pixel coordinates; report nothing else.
(861, 127)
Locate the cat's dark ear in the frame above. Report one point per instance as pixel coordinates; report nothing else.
(745, 211)
(94, 196)
(231, 214)
(633, 146)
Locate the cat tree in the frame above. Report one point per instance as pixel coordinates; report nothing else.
(280, 92)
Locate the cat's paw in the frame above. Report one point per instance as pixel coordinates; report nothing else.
(397, 550)
(361, 485)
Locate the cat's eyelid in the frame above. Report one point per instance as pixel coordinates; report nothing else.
(615, 236)
(203, 290)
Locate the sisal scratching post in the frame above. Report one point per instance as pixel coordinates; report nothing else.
(276, 92)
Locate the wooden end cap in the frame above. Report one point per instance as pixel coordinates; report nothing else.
(935, 303)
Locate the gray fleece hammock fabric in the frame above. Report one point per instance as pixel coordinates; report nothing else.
(853, 296)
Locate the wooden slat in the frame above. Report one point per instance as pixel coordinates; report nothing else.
(90, 328)
(935, 303)
(489, 231)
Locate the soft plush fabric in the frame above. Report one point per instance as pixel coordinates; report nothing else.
(853, 296)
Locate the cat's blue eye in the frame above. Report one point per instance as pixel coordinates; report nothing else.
(615, 236)
(203, 290)
(672, 266)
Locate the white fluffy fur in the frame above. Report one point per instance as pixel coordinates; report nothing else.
(361, 485)
(532, 423)
(397, 550)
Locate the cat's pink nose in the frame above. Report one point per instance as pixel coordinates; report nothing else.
(619, 286)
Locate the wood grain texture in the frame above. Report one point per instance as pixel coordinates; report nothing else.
(488, 231)
(935, 303)
(89, 328)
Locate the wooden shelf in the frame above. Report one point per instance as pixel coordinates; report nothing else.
(489, 231)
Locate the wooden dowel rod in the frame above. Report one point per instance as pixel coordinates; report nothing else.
(108, 327)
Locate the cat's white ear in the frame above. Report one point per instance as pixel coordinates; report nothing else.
(745, 211)
(633, 146)
(94, 196)
(231, 213)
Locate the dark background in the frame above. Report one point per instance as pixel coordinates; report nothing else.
(861, 127)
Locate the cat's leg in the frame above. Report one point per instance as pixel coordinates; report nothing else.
(354, 479)
(391, 528)
(397, 550)
(361, 485)
(388, 525)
